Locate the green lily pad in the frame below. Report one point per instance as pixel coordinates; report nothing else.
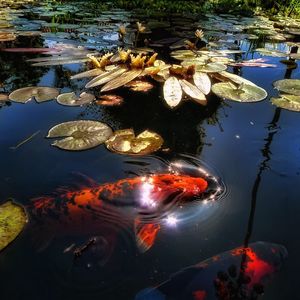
(125, 142)
(241, 93)
(211, 68)
(12, 221)
(289, 102)
(290, 86)
(41, 94)
(80, 135)
(70, 99)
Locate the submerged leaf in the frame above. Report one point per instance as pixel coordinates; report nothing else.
(290, 86)
(242, 93)
(202, 82)
(110, 100)
(139, 86)
(172, 91)
(40, 94)
(12, 221)
(105, 77)
(289, 102)
(192, 91)
(125, 142)
(80, 135)
(122, 80)
(70, 99)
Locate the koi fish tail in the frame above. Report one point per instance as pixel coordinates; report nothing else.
(145, 234)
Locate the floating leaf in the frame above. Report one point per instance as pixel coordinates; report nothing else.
(202, 81)
(70, 99)
(172, 91)
(139, 86)
(28, 50)
(12, 221)
(290, 86)
(273, 53)
(80, 135)
(60, 61)
(89, 73)
(105, 77)
(211, 68)
(110, 100)
(3, 98)
(241, 93)
(289, 102)
(125, 142)
(192, 91)
(226, 76)
(122, 80)
(40, 94)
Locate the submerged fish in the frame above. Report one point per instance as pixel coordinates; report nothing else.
(239, 274)
(93, 206)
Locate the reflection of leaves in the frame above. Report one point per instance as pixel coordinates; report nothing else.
(12, 221)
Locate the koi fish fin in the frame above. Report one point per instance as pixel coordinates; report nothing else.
(145, 234)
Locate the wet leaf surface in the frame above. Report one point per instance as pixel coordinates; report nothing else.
(70, 99)
(290, 86)
(289, 102)
(172, 91)
(125, 142)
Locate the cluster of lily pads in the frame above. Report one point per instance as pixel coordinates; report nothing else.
(289, 97)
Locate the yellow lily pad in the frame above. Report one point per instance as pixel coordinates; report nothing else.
(70, 99)
(13, 218)
(290, 86)
(289, 102)
(125, 142)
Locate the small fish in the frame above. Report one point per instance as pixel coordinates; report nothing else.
(97, 206)
(239, 274)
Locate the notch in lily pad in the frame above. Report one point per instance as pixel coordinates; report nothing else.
(125, 142)
(80, 135)
(40, 94)
(13, 219)
(70, 99)
(240, 93)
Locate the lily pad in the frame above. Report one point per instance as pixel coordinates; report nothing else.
(172, 91)
(240, 93)
(70, 99)
(89, 73)
(193, 92)
(290, 86)
(80, 135)
(125, 142)
(12, 221)
(211, 68)
(289, 102)
(41, 94)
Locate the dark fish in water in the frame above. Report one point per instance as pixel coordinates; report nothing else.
(96, 207)
(239, 274)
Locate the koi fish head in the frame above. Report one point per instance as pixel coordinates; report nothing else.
(162, 188)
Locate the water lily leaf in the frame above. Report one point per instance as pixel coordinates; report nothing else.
(70, 99)
(60, 61)
(110, 100)
(202, 82)
(3, 98)
(7, 36)
(139, 86)
(172, 91)
(211, 68)
(105, 77)
(192, 91)
(241, 93)
(13, 218)
(80, 135)
(273, 53)
(289, 102)
(28, 50)
(122, 80)
(226, 76)
(290, 86)
(125, 142)
(89, 73)
(41, 94)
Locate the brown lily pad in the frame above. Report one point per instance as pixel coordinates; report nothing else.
(41, 94)
(70, 99)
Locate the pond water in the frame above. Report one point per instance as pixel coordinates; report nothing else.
(252, 148)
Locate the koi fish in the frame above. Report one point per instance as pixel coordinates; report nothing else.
(239, 274)
(93, 205)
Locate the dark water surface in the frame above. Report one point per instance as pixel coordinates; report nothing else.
(254, 148)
